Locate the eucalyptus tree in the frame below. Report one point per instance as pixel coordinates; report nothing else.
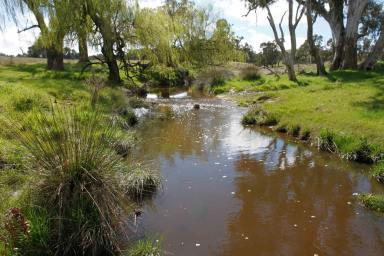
(313, 48)
(371, 32)
(294, 18)
(345, 37)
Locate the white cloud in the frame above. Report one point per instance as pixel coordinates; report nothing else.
(150, 3)
(13, 43)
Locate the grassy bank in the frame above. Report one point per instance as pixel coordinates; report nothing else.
(43, 154)
(346, 108)
(342, 113)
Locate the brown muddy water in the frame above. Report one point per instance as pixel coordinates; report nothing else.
(235, 191)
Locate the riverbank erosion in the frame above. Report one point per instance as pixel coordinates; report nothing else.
(342, 113)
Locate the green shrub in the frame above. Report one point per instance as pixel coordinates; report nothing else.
(161, 75)
(373, 202)
(211, 79)
(250, 73)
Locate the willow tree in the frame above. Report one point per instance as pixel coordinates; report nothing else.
(81, 28)
(52, 33)
(293, 21)
(112, 19)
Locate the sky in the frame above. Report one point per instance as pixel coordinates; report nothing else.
(254, 28)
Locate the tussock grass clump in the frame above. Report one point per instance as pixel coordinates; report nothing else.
(75, 181)
(305, 134)
(140, 182)
(326, 141)
(127, 118)
(378, 172)
(351, 148)
(373, 202)
(135, 102)
(294, 130)
(250, 73)
(282, 128)
(146, 247)
(23, 103)
(257, 116)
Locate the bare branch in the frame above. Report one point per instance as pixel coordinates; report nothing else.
(298, 16)
(281, 27)
(27, 28)
(249, 11)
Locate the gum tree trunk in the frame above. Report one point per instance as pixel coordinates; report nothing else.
(375, 54)
(313, 49)
(355, 10)
(335, 18)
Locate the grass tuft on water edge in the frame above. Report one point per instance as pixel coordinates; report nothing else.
(373, 201)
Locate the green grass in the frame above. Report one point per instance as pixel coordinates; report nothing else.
(264, 83)
(372, 201)
(28, 93)
(145, 247)
(378, 172)
(349, 104)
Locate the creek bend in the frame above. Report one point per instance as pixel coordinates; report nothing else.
(235, 191)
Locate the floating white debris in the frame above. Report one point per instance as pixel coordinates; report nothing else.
(313, 216)
(230, 158)
(246, 238)
(216, 163)
(249, 190)
(349, 203)
(355, 194)
(295, 225)
(224, 176)
(197, 245)
(233, 193)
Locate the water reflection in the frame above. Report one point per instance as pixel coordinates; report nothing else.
(235, 191)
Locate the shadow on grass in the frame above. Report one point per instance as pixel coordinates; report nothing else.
(374, 103)
(71, 71)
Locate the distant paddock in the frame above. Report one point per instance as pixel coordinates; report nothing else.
(6, 60)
